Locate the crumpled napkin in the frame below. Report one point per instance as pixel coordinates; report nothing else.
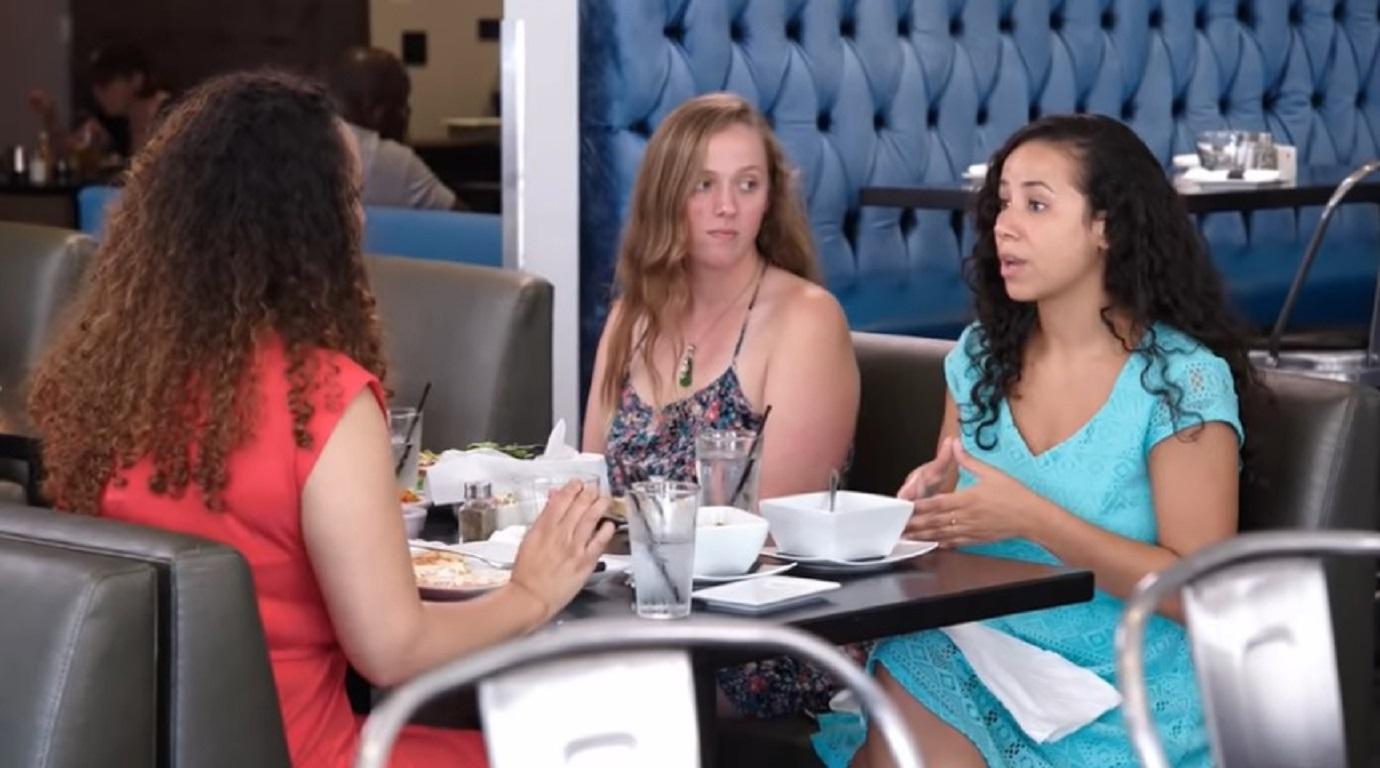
(446, 479)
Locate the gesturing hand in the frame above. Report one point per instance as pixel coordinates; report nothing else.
(926, 479)
(560, 549)
(993, 508)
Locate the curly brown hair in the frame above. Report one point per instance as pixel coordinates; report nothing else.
(238, 223)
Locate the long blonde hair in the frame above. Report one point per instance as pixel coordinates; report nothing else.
(652, 279)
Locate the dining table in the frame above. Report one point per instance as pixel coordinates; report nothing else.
(938, 589)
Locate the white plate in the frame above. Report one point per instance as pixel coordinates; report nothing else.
(905, 549)
(484, 578)
(761, 595)
(757, 571)
(505, 552)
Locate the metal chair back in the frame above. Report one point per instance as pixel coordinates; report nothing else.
(1260, 628)
(611, 693)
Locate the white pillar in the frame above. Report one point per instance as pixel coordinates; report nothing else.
(541, 172)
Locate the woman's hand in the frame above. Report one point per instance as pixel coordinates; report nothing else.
(926, 480)
(560, 549)
(995, 507)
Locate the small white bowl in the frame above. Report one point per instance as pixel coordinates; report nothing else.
(862, 525)
(727, 540)
(414, 517)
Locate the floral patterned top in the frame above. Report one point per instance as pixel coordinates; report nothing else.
(645, 442)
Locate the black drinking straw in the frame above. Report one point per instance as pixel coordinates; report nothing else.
(411, 430)
(752, 458)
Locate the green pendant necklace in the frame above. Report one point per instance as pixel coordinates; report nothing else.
(685, 372)
(687, 367)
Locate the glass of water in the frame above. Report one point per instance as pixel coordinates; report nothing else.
(407, 443)
(725, 468)
(534, 493)
(661, 530)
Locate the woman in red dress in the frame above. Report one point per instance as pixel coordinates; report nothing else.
(220, 377)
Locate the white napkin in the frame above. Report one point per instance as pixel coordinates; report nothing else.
(556, 447)
(1048, 695)
(445, 480)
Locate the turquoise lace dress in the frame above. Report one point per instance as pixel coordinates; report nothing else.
(1100, 474)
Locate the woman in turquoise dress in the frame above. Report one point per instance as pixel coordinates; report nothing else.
(1092, 420)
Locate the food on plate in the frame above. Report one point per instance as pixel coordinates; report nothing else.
(448, 570)
(409, 496)
(426, 458)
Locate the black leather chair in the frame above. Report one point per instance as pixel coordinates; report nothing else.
(40, 271)
(1313, 466)
(75, 639)
(216, 704)
(481, 336)
(901, 410)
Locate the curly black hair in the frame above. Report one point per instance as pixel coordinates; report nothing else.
(1157, 269)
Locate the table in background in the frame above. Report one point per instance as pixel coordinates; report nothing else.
(1313, 187)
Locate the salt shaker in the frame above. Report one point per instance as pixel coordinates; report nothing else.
(479, 512)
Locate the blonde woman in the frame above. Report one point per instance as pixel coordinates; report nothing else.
(718, 314)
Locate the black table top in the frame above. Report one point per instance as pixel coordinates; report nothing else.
(1313, 186)
(939, 589)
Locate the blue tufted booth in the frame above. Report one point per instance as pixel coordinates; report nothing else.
(469, 238)
(898, 92)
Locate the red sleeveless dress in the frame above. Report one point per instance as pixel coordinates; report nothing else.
(262, 520)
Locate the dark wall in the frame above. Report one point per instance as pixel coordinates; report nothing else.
(187, 41)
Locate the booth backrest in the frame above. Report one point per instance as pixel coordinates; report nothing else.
(903, 92)
(481, 336)
(40, 271)
(461, 236)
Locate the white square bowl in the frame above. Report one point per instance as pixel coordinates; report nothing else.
(727, 540)
(862, 525)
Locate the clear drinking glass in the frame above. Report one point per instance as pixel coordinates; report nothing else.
(532, 494)
(661, 530)
(407, 443)
(726, 469)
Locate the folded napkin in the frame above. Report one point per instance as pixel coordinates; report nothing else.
(445, 480)
(1048, 695)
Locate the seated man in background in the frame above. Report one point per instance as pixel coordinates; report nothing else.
(371, 89)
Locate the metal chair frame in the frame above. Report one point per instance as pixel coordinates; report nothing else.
(592, 637)
(1265, 596)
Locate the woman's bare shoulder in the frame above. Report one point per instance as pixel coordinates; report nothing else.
(802, 306)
